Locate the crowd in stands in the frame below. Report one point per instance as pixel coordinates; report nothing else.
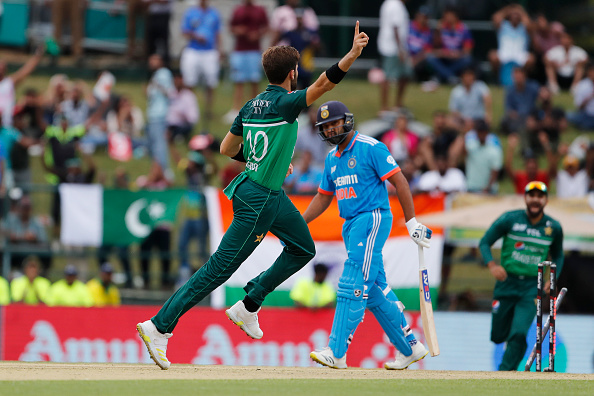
(465, 151)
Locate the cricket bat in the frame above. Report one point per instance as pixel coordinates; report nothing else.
(426, 307)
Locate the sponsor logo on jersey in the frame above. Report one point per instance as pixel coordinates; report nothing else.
(519, 227)
(352, 162)
(346, 180)
(495, 306)
(260, 103)
(520, 246)
(391, 160)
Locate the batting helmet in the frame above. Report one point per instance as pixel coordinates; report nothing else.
(332, 111)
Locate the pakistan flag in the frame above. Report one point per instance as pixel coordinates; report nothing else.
(94, 216)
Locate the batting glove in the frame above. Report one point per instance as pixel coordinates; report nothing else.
(419, 233)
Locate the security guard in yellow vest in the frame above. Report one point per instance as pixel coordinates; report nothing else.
(316, 292)
(30, 288)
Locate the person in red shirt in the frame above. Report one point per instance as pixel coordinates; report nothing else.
(249, 23)
(531, 171)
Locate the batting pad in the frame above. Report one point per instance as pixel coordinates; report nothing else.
(389, 316)
(351, 299)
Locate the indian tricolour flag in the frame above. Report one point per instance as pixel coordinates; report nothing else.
(94, 216)
(400, 253)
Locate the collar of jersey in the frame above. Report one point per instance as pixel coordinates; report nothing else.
(351, 144)
(272, 87)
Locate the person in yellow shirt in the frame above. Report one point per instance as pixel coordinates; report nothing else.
(102, 289)
(69, 292)
(4, 292)
(30, 288)
(314, 293)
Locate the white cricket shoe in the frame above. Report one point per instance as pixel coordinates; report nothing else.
(155, 342)
(326, 358)
(401, 362)
(246, 320)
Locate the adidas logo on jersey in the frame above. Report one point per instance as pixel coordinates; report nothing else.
(360, 244)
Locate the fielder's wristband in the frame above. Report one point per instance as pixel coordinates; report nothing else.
(239, 156)
(411, 224)
(335, 74)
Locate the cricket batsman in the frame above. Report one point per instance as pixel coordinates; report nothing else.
(529, 237)
(263, 136)
(355, 172)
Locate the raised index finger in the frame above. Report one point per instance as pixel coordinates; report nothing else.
(357, 28)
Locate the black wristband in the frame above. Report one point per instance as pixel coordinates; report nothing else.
(335, 74)
(239, 156)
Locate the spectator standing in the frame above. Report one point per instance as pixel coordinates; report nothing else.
(284, 19)
(445, 178)
(25, 230)
(401, 142)
(307, 42)
(8, 83)
(392, 44)
(159, 92)
(158, 14)
(28, 119)
(420, 42)
(194, 212)
(201, 25)
(183, 112)
(30, 288)
(453, 50)
(565, 64)
(160, 236)
(249, 24)
(520, 101)
(513, 27)
(102, 289)
(73, 12)
(572, 182)
(314, 293)
(10, 137)
(531, 171)
(484, 159)
(471, 99)
(583, 99)
(69, 292)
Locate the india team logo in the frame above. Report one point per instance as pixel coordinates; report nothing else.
(495, 306)
(520, 246)
(352, 162)
(324, 113)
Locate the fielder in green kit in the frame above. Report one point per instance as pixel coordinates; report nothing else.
(263, 136)
(529, 237)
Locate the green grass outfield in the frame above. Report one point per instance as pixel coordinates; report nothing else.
(300, 387)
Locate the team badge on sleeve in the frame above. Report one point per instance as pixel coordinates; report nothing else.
(391, 160)
(352, 162)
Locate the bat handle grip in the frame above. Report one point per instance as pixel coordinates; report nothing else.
(421, 256)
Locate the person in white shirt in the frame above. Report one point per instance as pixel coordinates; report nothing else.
(565, 64)
(583, 98)
(444, 179)
(393, 48)
(9, 82)
(572, 182)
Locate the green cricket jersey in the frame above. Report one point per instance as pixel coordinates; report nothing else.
(268, 124)
(524, 244)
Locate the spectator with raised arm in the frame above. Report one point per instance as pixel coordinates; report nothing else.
(531, 170)
(565, 64)
(453, 47)
(8, 83)
(547, 118)
(513, 27)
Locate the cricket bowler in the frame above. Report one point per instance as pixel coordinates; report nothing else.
(263, 136)
(355, 171)
(529, 237)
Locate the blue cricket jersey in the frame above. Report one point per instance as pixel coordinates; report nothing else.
(203, 22)
(357, 176)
